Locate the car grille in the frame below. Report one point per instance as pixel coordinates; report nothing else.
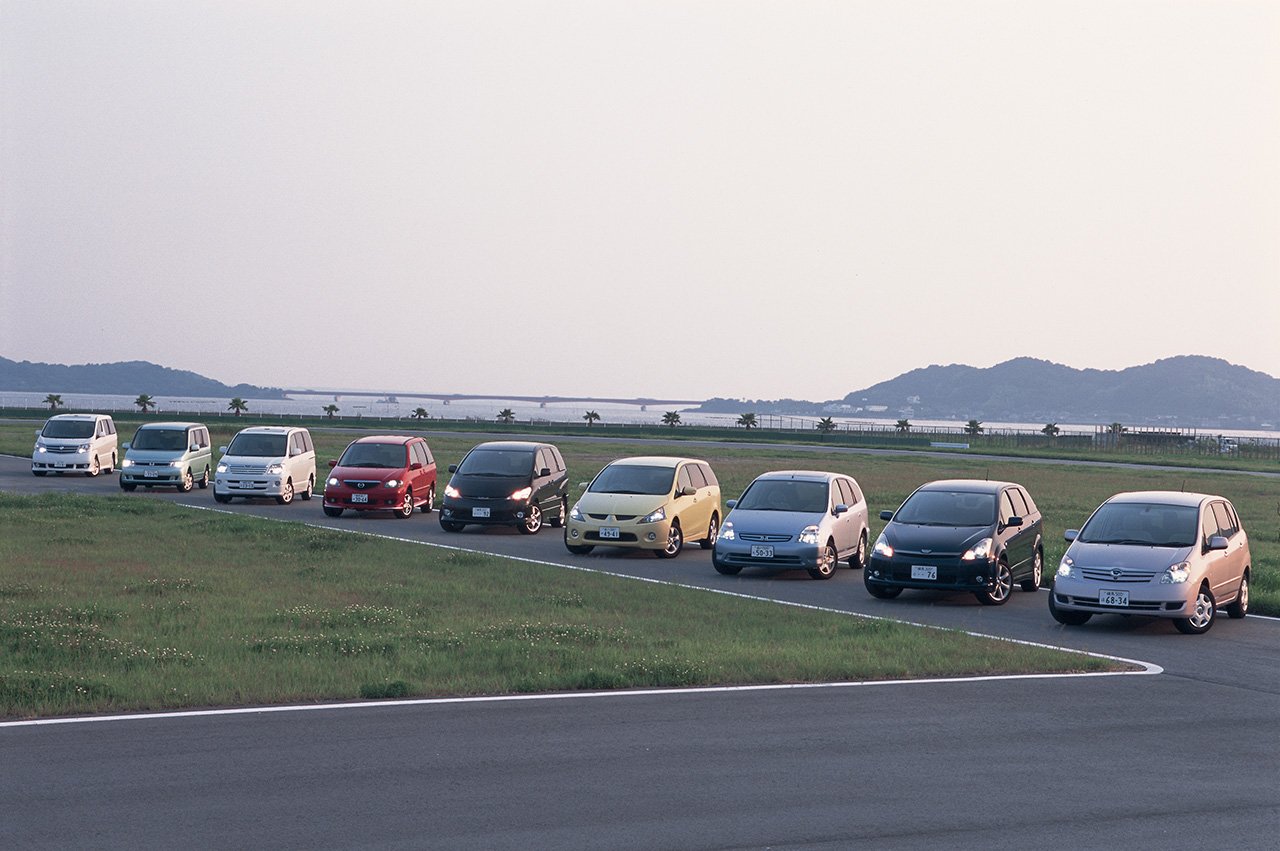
(744, 560)
(151, 463)
(1107, 574)
(623, 538)
(360, 484)
(247, 469)
(618, 517)
(61, 450)
(762, 538)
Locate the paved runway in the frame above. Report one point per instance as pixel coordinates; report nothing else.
(1190, 756)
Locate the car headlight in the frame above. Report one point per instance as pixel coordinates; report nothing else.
(82, 448)
(393, 483)
(275, 469)
(221, 468)
(808, 535)
(522, 494)
(40, 447)
(333, 482)
(126, 463)
(654, 516)
(1067, 569)
(1176, 574)
(177, 464)
(451, 492)
(883, 548)
(980, 551)
(726, 531)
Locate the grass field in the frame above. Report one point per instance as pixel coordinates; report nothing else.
(99, 613)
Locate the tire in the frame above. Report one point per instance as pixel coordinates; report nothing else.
(858, 560)
(828, 559)
(675, 542)
(203, 481)
(532, 524)
(557, 522)
(430, 504)
(451, 525)
(311, 486)
(187, 483)
(331, 511)
(112, 468)
(1240, 607)
(95, 467)
(1067, 618)
(881, 592)
(128, 488)
(712, 530)
(286, 495)
(579, 550)
(221, 497)
(1037, 572)
(40, 473)
(725, 569)
(405, 509)
(1202, 615)
(997, 594)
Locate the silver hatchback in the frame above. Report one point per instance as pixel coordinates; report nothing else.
(1161, 553)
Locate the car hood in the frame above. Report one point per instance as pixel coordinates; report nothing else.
(774, 522)
(1126, 555)
(938, 538)
(637, 504)
(366, 474)
(488, 486)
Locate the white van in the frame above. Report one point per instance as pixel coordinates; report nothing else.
(75, 443)
(278, 461)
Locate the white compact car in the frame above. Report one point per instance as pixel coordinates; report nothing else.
(275, 461)
(75, 443)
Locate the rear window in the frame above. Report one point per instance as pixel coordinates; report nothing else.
(634, 478)
(948, 508)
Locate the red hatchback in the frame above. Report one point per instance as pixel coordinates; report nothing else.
(382, 473)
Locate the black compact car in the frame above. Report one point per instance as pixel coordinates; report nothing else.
(506, 483)
(962, 535)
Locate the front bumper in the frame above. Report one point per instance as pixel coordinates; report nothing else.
(149, 476)
(788, 555)
(953, 574)
(380, 499)
(53, 461)
(248, 485)
(490, 512)
(1172, 600)
(644, 536)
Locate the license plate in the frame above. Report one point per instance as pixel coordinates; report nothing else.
(1113, 598)
(359, 497)
(610, 532)
(479, 512)
(761, 552)
(924, 571)
(59, 465)
(149, 474)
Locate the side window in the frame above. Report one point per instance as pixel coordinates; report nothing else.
(1019, 504)
(1026, 497)
(1208, 525)
(1226, 523)
(306, 442)
(427, 458)
(844, 493)
(695, 476)
(1006, 507)
(709, 475)
(102, 429)
(558, 458)
(682, 478)
(854, 491)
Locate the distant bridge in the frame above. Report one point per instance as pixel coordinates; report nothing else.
(543, 401)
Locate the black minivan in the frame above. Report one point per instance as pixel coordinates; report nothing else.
(507, 483)
(960, 535)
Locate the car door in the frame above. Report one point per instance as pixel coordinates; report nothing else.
(1225, 571)
(1014, 538)
(845, 526)
(694, 511)
(543, 480)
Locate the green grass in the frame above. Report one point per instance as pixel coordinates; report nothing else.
(100, 612)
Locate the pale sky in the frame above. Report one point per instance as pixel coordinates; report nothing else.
(627, 198)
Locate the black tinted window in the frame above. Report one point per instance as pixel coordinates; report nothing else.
(948, 508)
(633, 478)
(497, 462)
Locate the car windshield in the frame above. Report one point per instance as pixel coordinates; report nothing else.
(173, 439)
(385, 455)
(263, 445)
(497, 462)
(634, 478)
(1145, 524)
(69, 428)
(948, 508)
(784, 495)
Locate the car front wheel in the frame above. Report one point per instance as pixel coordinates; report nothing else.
(1203, 609)
(827, 561)
(532, 520)
(332, 511)
(997, 593)
(187, 482)
(1067, 617)
(286, 493)
(675, 543)
(405, 509)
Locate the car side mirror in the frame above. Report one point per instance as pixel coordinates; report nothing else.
(1013, 521)
(125, 446)
(1217, 542)
(1070, 535)
(839, 509)
(688, 490)
(453, 468)
(332, 463)
(416, 465)
(730, 504)
(886, 515)
(194, 447)
(545, 471)
(38, 433)
(222, 449)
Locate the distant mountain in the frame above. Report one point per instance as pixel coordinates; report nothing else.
(127, 378)
(1186, 391)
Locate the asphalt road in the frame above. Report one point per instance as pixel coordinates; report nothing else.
(1189, 756)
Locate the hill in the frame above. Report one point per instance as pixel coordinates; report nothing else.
(125, 378)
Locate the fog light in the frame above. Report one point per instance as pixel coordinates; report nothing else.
(573, 534)
(979, 579)
(651, 537)
(519, 515)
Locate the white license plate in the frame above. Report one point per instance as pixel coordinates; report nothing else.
(149, 474)
(610, 532)
(359, 497)
(479, 512)
(59, 465)
(761, 552)
(924, 571)
(1113, 598)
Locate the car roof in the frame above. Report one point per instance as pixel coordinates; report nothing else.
(816, 475)
(655, 461)
(969, 485)
(79, 416)
(521, 445)
(269, 429)
(1163, 497)
(386, 438)
(173, 425)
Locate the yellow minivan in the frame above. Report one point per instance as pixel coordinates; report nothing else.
(652, 503)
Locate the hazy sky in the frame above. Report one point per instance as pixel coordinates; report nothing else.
(756, 199)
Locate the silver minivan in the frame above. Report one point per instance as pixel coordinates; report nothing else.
(1160, 553)
(172, 455)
